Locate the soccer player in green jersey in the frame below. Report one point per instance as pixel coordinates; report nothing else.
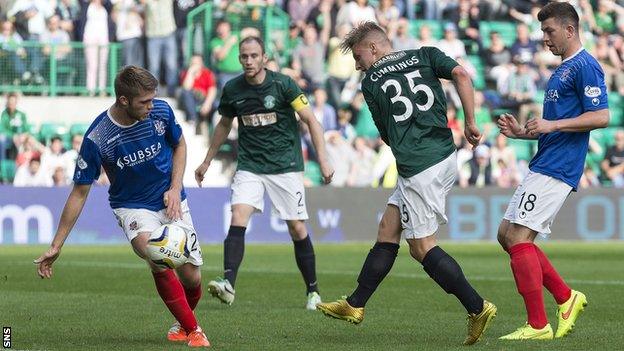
(405, 96)
(269, 159)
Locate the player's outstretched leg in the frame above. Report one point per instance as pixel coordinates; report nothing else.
(233, 252)
(377, 265)
(306, 261)
(447, 273)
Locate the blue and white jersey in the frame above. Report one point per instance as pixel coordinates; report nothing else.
(577, 86)
(138, 159)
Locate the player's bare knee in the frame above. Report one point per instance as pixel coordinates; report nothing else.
(297, 229)
(139, 245)
(420, 247)
(387, 233)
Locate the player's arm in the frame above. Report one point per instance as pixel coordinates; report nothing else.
(316, 131)
(73, 207)
(587, 121)
(463, 84)
(222, 130)
(172, 197)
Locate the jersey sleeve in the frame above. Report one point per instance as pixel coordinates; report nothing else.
(294, 95)
(591, 88)
(442, 65)
(88, 164)
(173, 131)
(226, 108)
(376, 111)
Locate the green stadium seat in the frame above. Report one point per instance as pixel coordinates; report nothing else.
(78, 128)
(616, 110)
(507, 31)
(7, 171)
(313, 172)
(437, 28)
(479, 81)
(522, 148)
(49, 130)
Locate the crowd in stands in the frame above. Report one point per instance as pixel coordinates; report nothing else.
(497, 41)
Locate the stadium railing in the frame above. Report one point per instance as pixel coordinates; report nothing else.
(53, 73)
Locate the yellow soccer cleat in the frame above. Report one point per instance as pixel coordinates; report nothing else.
(527, 332)
(177, 333)
(568, 312)
(478, 323)
(342, 310)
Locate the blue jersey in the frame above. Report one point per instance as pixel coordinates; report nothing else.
(577, 86)
(138, 159)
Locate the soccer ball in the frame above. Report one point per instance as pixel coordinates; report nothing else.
(166, 246)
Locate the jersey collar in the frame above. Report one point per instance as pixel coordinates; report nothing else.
(576, 53)
(115, 122)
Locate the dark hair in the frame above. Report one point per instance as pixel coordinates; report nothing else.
(252, 39)
(360, 33)
(131, 81)
(563, 12)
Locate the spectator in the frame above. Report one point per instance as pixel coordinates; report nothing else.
(95, 28)
(364, 161)
(29, 18)
(345, 128)
(497, 60)
(71, 156)
(67, 12)
(613, 163)
(13, 125)
(31, 174)
(224, 49)
(466, 17)
(530, 20)
(309, 58)
(519, 90)
(355, 12)
(504, 163)
(161, 42)
(324, 112)
(53, 156)
(503, 175)
(28, 147)
(129, 24)
(610, 62)
(523, 48)
(59, 177)
(199, 89)
(403, 39)
(341, 156)
(12, 54)
(181, 9)
(478, 171)
(387, 15)
(299, 10)
(57, 40)
(340, 67)
(450, 45)
(425, 37)
(589, 179)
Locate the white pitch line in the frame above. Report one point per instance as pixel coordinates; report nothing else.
(100, 264)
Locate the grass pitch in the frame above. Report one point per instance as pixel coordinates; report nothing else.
(103, 298)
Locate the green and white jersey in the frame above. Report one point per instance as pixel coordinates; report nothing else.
(405, 96)
(268, 131)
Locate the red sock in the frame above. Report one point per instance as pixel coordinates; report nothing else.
(528, 275)
(552, 280)
(172, 293)
(193, 295)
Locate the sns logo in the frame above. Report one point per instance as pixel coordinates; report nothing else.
(81, 163)
(139, 156)
(592, 92)
(159, 126)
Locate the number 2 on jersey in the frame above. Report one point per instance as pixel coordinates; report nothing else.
(409, 107)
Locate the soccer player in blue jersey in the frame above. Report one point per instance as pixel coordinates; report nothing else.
(575, 103)
(141, 148)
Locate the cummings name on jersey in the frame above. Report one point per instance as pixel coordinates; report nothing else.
(376, 75)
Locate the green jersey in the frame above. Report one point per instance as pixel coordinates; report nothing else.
(405, 96)
(268, 131)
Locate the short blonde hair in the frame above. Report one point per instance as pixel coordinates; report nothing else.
(360, 33)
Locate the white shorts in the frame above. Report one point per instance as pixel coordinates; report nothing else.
(285, 190)
(421, 199)
(537, 201)
(139, 220)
